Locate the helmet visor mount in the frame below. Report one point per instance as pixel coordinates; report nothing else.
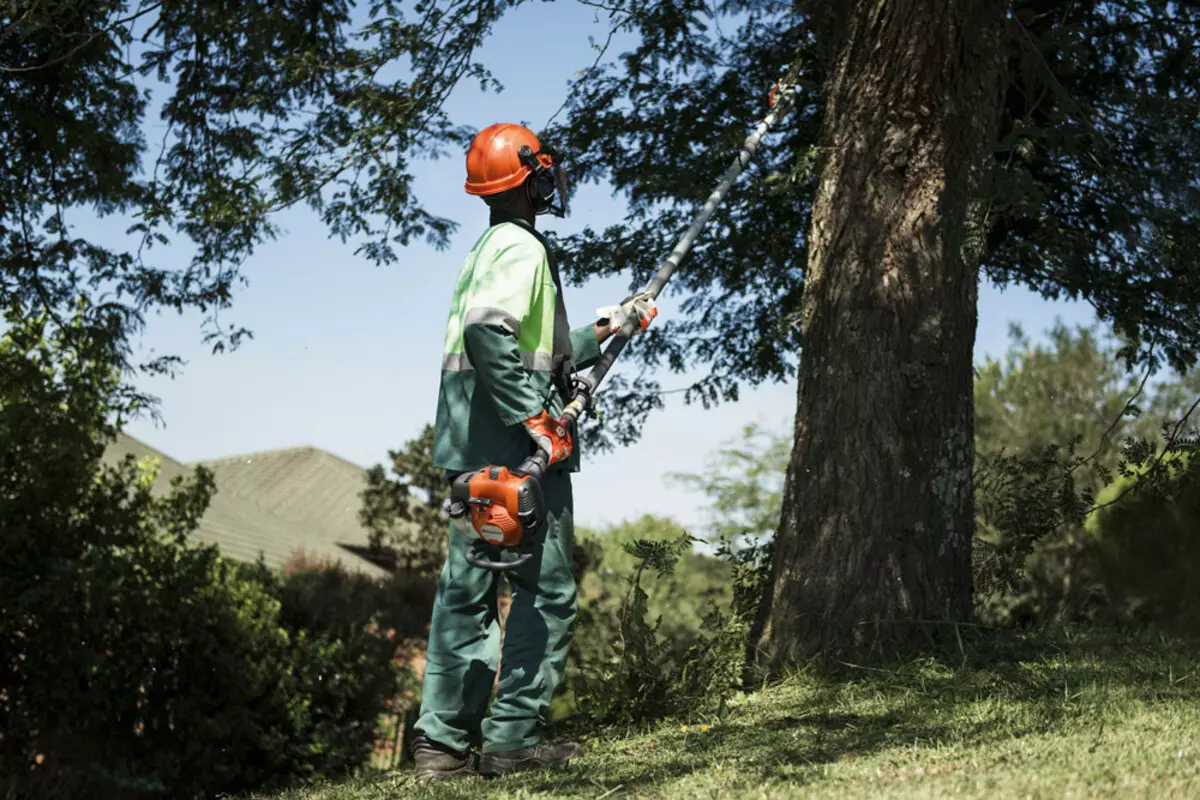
(547, 181)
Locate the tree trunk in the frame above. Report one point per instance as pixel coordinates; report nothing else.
(877, 516)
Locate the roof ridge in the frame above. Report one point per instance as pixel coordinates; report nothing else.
(255, 453)
(278, 451)
(243, 526)
(342, 459)
(154, 451)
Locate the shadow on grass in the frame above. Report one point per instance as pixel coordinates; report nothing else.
(1012, 687)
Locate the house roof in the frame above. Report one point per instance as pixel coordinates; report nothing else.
(279, 506)
(303, 485)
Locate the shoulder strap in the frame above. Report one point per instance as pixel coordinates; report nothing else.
(564, 364)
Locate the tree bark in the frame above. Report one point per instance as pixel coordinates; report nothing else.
(877, 517)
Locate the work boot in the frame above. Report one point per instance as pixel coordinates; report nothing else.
(493, 765)
(435, 762)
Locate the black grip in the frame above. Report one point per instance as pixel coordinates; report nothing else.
(608, 358)
(478, 560)
(526, 501)
(535, 465)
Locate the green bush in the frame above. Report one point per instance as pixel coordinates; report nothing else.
(1054, 423)
(678, 600)
(135, 660)
(131, 659)
(356, 624)
(1145, 542)
(635, 680)
(165, 667)
(682, 597)
(660, 630)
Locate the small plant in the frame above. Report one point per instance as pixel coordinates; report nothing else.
(635, 683)
(1020, 501)
(648, 678)
(751, 573)
(718, 664)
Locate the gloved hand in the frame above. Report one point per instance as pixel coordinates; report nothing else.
(640, 305)
(550, 437)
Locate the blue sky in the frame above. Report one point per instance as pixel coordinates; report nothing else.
(346, 355)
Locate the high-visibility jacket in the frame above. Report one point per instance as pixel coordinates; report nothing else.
(501, 352)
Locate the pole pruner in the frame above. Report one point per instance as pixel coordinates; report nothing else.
(505, 507)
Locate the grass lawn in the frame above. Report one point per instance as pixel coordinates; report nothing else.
(1083, 715)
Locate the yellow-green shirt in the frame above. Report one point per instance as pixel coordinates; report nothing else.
(499, 353)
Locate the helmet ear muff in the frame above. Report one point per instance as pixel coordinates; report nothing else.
(543, 182)
(541, 188)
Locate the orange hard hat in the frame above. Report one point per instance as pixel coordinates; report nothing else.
(493, 161)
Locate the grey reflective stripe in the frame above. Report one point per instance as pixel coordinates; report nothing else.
(534, 362)
(498, 316)
(456, 362)
(538, 362)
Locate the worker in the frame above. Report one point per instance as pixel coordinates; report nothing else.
(506, 376)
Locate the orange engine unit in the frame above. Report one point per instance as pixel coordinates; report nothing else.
(504, 506)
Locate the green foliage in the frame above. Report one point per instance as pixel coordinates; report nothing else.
(1073, 388)
(680, 596)
(1020, 502)
(1054, 424)
(412, 526)
(1145, 540)
(262, 106)
(714, 670)
(657, 635)
(743, 482)
(329, 600)
(1090, 192)
(635, 683)
(129, 657)
(357, 625)
(751, 575)
(133, 659)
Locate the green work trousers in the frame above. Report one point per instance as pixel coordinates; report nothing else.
(464, 638)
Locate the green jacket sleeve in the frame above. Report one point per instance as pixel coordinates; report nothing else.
(584, 347)
(502, 297)
(493, 352)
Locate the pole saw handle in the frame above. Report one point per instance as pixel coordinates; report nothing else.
(477, 558)
(534, 466)
(780, 101)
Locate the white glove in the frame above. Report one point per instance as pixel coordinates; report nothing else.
(640, 306)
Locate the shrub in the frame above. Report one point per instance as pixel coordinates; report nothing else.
(130, 659)
(1029, 510)
(679, 598)
(1145, 542)
(177, 671)
(135, 660)
(662, 630)
(326, 598)
(361, 629)
(636, 679)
